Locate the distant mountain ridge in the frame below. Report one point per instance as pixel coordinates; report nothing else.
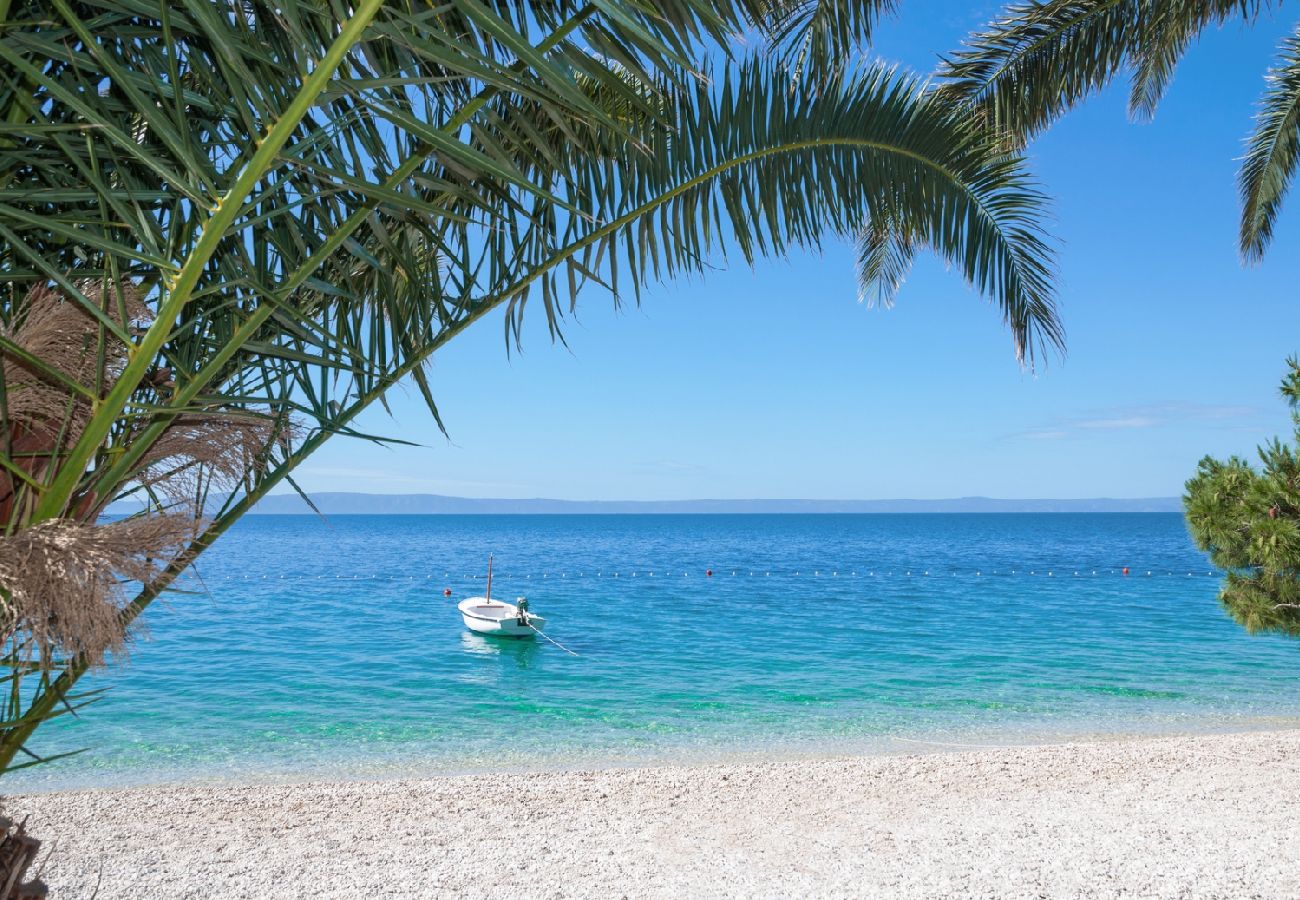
(345, 503)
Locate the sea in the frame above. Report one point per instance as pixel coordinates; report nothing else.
(305, 648)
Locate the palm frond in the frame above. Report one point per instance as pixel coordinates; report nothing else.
(885, 254)
(1272, 151)
(815, 37)
(1042, 58)
(1168, 29)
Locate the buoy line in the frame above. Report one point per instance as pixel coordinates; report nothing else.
(738, 573)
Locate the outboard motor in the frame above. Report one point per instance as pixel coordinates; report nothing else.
(521, 603)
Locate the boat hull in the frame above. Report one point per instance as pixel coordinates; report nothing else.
(496, 618)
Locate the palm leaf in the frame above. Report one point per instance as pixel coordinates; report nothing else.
(1271, 151)
(1040, 59)
(1168, 30)
(814, 37)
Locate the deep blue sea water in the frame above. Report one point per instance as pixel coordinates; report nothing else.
(327, 649)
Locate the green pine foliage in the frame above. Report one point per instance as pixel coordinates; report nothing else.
(1248, 520)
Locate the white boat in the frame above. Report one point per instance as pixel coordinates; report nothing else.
(494, 617)
(488, 616)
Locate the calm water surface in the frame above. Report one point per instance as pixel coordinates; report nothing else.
(327, 648)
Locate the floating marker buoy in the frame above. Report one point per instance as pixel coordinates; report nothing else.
(1124, 570)
(446, 592)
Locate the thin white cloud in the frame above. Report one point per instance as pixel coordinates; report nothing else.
(1125, 422)
(1142, 417)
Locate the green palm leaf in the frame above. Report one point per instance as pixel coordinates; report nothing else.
(814, 37)
(1271, 151)
(1040, 59)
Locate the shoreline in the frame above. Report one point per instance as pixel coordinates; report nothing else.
(416, 768)
(1203, 814)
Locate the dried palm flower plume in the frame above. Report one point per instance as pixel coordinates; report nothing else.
(41, 414)
(62, 581)
(220, 448)
(65, 337)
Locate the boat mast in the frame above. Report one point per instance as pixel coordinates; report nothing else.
(488, 594)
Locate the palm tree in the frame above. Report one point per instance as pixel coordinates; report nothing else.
(226, 229)
(1041, 58)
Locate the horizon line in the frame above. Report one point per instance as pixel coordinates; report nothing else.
(545, 499)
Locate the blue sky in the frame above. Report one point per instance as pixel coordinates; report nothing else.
(775, 382)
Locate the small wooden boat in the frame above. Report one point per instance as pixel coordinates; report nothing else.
(488, 616)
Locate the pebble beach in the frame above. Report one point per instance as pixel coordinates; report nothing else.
(1209, 815)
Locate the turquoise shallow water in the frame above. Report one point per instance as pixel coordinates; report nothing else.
(328, 649)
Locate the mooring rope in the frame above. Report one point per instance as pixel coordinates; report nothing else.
(551, 639)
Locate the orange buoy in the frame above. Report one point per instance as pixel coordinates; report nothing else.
(446, 592)
(1125, 570)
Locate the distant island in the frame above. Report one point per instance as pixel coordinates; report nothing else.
(343, 504)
